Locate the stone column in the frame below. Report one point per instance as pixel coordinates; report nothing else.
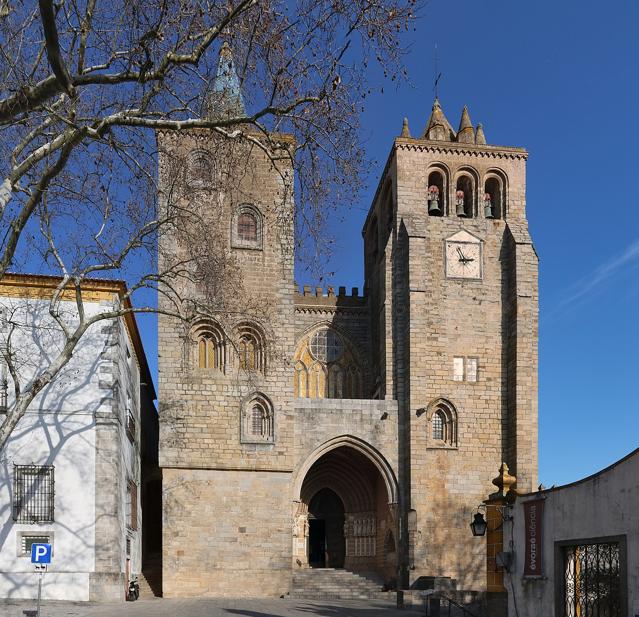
(300, 537)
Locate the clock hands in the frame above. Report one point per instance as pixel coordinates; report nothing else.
(462, 258)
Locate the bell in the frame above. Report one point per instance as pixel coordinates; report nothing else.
(459, 203)
(433, 207)
(488, 207)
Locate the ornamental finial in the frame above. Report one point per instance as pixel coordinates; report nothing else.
(504, 481)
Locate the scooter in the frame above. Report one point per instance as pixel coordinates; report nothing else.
(133, 592)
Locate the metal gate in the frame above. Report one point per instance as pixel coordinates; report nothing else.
(592, 580)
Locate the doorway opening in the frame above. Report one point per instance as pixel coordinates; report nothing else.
(345, 511)
(326, 544)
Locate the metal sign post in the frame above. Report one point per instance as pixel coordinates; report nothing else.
(40, 570)
(41, 558)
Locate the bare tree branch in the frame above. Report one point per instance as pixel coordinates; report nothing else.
(90, 94)
(53, 46)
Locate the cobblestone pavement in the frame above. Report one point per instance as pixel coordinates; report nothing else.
(214, 607)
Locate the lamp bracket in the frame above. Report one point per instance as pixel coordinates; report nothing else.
(504, 510)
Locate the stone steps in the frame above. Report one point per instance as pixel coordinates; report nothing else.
(150, 580)
(337, 584)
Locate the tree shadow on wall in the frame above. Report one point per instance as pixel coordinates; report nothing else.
(62, 415)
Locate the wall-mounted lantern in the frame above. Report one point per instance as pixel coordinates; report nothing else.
(479, 525)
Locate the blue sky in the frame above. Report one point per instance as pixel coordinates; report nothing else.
(560, 79)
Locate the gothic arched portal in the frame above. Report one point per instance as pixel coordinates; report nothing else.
(345, 508)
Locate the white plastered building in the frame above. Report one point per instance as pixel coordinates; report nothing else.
(71, 471)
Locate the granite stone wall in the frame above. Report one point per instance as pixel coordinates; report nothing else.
(493, 319)
(226, 533)
(238, 507)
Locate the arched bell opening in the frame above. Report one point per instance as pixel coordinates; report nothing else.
(464, 197)
(436, 194)
(345, 512)
(493, 198)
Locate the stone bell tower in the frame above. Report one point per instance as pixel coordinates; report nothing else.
(226, 422)
(452, 277)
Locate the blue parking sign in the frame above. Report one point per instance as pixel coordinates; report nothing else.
(40, 553)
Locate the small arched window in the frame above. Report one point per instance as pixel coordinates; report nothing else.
(353, 389)
(199, 169)
(301, 380)
(464, 197)
(251, 348)
(211, 346)
(336, 381)
(257, 421)
(389, 208)
(248, 352)
(442, 418)
(246, 230)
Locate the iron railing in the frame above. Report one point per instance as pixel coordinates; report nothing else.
(445, 607)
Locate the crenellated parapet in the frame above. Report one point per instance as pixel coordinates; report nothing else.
(320, 298)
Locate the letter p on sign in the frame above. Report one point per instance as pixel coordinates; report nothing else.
(41, 553)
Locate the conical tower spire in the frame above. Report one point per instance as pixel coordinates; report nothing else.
(225, 100)
(480, 138)
(466, 132)
(405, 129)
(438, 127)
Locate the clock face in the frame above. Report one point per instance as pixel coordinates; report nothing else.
(463, 260)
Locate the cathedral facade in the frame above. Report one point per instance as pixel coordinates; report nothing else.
(308, 429)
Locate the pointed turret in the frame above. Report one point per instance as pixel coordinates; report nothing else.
(438, 128)
(466, 132)
(405, 129)
(480, 138)
(225, 100)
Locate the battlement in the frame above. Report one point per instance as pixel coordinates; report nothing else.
(320, 296)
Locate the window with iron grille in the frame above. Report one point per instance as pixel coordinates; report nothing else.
(4, 386)
(33, 493)
(28, 539)
(246, 227)
(592, 582)
(132, 505)
(130, 425)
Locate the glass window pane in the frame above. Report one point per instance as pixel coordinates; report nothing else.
(326, 345)
(247, 227)
(256, 420)
(458, 369)
(438, 426)
(471, 369)
(27, 541)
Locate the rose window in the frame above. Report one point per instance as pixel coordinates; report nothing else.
(326, 346)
